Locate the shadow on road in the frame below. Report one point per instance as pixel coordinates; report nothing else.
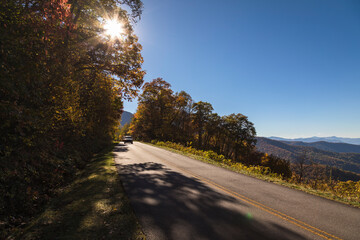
(121, 148)
(175, 206)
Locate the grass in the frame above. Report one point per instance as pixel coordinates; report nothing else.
(94, 206)
(269, 177)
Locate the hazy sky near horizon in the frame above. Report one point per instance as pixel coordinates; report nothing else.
(292, 67)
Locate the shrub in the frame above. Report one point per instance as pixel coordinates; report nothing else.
(263, 170)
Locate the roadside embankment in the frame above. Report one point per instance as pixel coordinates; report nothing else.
(93, 206)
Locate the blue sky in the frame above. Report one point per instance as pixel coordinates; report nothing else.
(291, 66)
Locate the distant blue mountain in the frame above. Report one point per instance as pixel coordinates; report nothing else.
(339, 155)
(332, 139)
(328, 146)
(126, 117)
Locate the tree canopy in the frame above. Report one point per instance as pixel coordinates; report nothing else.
(167, 116)
(62, 83)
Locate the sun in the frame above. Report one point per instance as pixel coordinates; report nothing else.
(113, 28)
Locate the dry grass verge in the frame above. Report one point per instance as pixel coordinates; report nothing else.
(94, 206)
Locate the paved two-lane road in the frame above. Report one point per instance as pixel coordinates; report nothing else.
(176, 197)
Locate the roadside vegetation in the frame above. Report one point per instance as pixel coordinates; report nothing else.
(93, 206)
(62, 87)
(175, 121)
(347, 192)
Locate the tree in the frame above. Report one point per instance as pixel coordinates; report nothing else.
(239, 135)
(301, 163)
(124, 130)
(155, 112)
(181, 119)
(62, 83)
(201, 112)
(213, 132)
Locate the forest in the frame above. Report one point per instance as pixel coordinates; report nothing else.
(167, 116)
(174, 120)
(62, 86)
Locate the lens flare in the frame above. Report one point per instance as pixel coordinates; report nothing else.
(113, 28)
(249, 216)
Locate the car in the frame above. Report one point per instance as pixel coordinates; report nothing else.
(128, 139)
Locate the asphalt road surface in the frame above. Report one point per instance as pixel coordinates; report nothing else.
(176, 197)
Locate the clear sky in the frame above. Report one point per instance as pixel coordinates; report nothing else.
(291, 66)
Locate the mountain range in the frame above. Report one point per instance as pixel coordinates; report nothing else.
(328, 146)
(332, 139)
(331, 154)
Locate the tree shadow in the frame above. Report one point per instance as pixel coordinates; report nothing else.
(94, 206)
(174, 206)
(120, 148)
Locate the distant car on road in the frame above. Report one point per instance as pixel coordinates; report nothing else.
(128, 139)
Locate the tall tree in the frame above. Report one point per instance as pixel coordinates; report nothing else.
(155, 111)
(181, 119)
(301, 164)
(240, 134)
(201, 115)
(62, 83)
(213, 132)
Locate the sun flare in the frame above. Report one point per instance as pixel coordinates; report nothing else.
(113, 28)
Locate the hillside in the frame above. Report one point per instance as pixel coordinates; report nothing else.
(126, 118)
(345, 161)
(319, 171)
(333, 139)
(328, 146)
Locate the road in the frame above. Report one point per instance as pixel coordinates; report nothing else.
(176, 197)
